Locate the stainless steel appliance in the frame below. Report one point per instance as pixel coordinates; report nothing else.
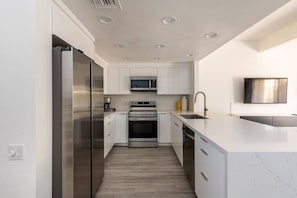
(146, 83)
(188, 154)
(143, 124)
(78, 163)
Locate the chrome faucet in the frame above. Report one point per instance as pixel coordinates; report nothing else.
(195, 98)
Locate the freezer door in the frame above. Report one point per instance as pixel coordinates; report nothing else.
(82, 124)
(97, 127)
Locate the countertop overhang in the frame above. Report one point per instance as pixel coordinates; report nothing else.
(232, 134)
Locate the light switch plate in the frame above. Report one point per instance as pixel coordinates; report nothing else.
(16, 152)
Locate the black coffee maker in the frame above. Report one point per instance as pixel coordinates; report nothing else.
(107, 102)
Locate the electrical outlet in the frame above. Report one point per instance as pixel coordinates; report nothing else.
(16, 152)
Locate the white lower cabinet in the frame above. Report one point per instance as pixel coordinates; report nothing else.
(109, 133)
(210, 169)
(164, 136)
(121, 129)
(177, 137)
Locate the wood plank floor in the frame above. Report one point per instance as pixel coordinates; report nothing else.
(144, 173)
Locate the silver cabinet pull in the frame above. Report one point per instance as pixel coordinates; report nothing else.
(204, 140)
(204, 177)
(176, 124)
(204, 152)
(108, 134)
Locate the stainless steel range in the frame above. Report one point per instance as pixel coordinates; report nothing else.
(143, 124)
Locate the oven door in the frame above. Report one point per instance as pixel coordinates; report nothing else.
(142, 128)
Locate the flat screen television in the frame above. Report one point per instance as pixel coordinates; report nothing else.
(265, 90)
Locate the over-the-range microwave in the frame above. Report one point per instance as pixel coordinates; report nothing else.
(143, 83)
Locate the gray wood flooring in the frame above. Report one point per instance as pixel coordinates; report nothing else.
(144, 173)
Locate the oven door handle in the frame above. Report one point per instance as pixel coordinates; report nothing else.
(143, 119)
(189, 136)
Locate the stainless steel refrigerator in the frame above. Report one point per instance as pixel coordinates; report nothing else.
(78, 140)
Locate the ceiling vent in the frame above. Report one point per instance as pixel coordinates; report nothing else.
(114, 4)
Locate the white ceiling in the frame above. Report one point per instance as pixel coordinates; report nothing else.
(138, 26)
(284, 16)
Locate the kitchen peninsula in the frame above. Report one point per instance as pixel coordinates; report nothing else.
(236, 158)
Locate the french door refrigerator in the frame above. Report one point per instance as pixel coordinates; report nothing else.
(78, 144)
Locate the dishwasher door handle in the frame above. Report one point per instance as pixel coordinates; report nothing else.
(189, 136)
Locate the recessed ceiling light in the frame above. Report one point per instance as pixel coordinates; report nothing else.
(160, 46)
(189, 55)
(168, 20)
(126, 58)
(157, 58)
(117, 45)
(105, 19)
(211, 35)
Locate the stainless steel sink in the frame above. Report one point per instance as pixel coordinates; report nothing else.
(193, 116)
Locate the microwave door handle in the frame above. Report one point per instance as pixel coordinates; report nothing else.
(150, 84)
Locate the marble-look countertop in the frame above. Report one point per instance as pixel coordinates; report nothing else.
(233, 134)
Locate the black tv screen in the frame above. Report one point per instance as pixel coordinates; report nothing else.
(265, 90)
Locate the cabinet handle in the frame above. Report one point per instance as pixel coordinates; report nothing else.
(204, 152)
(204, 140)
(204, 177)
(108, 134)
(108, 122)
(176, 124)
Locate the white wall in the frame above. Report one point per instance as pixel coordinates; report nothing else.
(70, 29)
(164, 102)
(43, 98)
(26, 91)
(221, 76)
(17, 101)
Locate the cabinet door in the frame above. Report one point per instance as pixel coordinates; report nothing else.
(107, 134)
(173, 83)
(177, 137)
(118, 81)
(112, 130)
(185, 80)
(164, 128)
(179, 142)
(124, 81)
(163, 81)
(113, 81)
(109, 131)
(121, 132)
(143, 71)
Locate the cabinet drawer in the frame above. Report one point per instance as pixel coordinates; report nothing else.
(210, 167)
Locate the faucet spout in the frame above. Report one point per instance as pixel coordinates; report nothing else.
(204, 97)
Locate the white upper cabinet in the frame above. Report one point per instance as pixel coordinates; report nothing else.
(143, 71)
(118, 81)
(186, 80)
(175, 80)
(171, 80)
(163, 80)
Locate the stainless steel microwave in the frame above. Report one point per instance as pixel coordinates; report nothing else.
(143, 83)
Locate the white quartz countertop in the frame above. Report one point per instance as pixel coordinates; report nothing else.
(114, 112)
(233, 134)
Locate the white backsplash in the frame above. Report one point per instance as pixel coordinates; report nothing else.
(164, 102)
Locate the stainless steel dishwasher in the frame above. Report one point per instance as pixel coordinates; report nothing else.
(188, 154)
